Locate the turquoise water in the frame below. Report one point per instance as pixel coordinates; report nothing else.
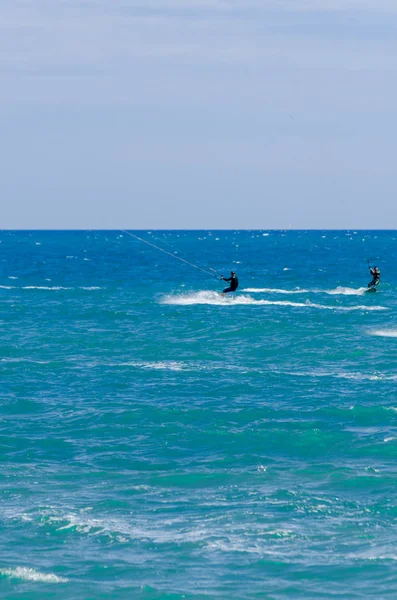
(160, 441)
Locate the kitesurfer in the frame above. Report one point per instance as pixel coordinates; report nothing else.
(233, 283)
(375, 272)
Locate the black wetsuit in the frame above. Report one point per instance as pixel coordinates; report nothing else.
(233, 284)
(376, 278)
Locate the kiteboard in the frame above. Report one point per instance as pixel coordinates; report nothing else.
(371, 289)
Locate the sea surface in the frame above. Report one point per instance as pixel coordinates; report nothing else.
(160, 441)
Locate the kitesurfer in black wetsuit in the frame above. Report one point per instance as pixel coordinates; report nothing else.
(376, 277)
(233, 283)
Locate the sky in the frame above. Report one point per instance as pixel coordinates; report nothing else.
(202, 114)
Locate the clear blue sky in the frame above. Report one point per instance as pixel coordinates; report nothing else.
(198, 114)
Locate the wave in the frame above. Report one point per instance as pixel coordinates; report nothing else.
(115, 529)
(172, 365)
(216, 299)
(339, 291)
(28, 574)
(206, 534)
(354, 375)
(44, 287)
(29, 360)
(390, 333)
(158, 366)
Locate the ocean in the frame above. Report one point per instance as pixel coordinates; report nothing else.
(160, 441)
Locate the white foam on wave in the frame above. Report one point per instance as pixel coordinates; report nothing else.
(177, 530)
(29, 360)
(339, 291)
(390, 333)
(170, 365)
(366, 376)
(196, 366)
(216, 299)
(45, 287)
(355, 375)
(115, 529)
(28, 574)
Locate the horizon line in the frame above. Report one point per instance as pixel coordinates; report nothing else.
(149, 229)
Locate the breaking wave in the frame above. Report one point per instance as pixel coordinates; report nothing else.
(164, 365)
(390, 333)
(45, 287)
(27, 574)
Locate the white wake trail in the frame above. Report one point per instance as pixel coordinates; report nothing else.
(338, 291)
(216, 299)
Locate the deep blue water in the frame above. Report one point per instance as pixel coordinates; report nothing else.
(160, 441)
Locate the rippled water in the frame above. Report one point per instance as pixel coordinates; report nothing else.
(161, 441)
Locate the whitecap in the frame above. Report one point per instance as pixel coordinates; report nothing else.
(23, 359)
(28, 574)
(157, 365)
(367, 376)
(116, 529)
(390, 333)
(356, 376)
(44, 287)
